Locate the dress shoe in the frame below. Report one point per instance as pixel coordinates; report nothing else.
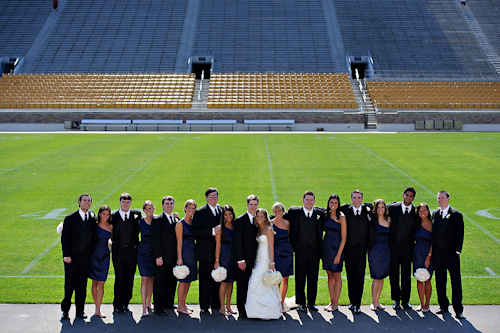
(64, 316)
(160, 312)
(356, 310)
(242, 315)
(81, 315)
(406, 306)
(173, 306)
(441, 311)
(350, 307)
(396, 306)
(312, 307)
(125, 308)
(205, 311)
(302, 308)
(119, 310)
(459, 316)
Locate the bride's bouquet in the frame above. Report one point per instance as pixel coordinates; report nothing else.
(59, 228)
(272, 278)
(422, 274)
(181, 272)
(219, 274)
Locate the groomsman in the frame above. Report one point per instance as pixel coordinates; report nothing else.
(306, 239)
(77, 241)
(245, 250)
(124, 250)
(447, 242)
(358, 217)
(164, 245)
(206, 224)
(401, 240)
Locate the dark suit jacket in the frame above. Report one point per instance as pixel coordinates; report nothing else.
(203, 223)
(125, 234)
(72, 237)
(448, 233)
(368, 233)
(163, 239)
(293, 215)
(398, 229)
(245, 240)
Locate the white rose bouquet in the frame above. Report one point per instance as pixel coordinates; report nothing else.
(422, 274)
(181, 272)
(219, 274)
(272, 278)
(59, 228)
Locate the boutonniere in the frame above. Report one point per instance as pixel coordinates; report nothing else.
(92, 214)
(447, 216)
(136, 216)
(318, 217)
(367, 209)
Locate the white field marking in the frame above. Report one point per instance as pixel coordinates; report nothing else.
(41, 255)
(35, 214)
(13, 139)
(489, 234)
(55, 214)
(490, 271)
(271, 172)
(485, 213)
(56, 152)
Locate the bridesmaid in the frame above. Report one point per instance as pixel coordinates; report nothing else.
(333, 249)
(145, 258)
(283, 253)
(185, 254)
(422, 254)
(99, 261)
(379, 255)
(224, 256)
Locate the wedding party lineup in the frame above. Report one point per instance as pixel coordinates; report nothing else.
(260, 250)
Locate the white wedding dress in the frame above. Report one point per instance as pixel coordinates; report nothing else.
(263, 302)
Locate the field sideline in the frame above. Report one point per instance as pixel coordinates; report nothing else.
(42, 175)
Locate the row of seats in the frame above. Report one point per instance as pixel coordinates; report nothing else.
(435, 94)
(301, 91)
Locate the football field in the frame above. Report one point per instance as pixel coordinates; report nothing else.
(42, 175)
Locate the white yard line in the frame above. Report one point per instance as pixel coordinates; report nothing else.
(271, 172)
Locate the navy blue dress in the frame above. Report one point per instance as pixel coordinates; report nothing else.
(423, 239)
(226, 258)
(283, 253)
(188, 249)
(379, 257)
(145, 258)
(331, 244)
(99, 260)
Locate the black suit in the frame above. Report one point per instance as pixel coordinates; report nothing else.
(245, 248)
(124, 253)
(78, 242)
(306, 239)
(164, 244)
(401, 241)
(447, 240)
(359, 230)
(203, 223)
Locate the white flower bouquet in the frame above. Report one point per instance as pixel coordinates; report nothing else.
(272, 278)
(60, 228)
(181, 272)
(422, 274)
(219, 274)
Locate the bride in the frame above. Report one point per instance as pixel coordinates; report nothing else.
(263, 302)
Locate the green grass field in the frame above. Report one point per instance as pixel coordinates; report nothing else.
(42, 175)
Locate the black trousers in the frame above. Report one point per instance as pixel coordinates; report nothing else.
(401, 256)
(444, 262)
(164, 286)
(355, 266)
(306, 270)
(208, 288)
(242, 278)
(75, 279)
(125, 264)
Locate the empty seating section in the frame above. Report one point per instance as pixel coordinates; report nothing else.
(96, 91)
(486, 12)
(281, 91)
(109, 36)
(20, 23)
(435, 94)
(264, 36)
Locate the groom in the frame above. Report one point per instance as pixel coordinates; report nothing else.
(245, 249)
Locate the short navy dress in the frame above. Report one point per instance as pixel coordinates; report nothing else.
(331, 244)
(188, 249)
(283, 253)
(379, 257)
(423, 239)
(99, 260)
(145, 258)
(226, 258)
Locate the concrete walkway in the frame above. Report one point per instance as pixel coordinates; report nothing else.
(28, 318)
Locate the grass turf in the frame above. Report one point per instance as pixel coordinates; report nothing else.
(42, 175)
